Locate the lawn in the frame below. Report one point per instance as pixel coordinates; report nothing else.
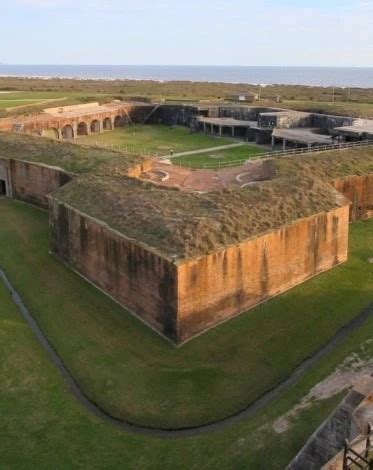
(213, 158)
(135, 374)
(43, 426)
(4, 104)
(154, 139)
(363, 110)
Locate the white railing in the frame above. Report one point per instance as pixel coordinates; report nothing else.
(278, 153)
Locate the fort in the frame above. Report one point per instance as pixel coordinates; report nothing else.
(182, 249)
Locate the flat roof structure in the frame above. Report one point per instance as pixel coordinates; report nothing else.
(229, 122)
(304, 135)
(360, 128)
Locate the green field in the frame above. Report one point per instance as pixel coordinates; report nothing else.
(4, 104)
(213, 158)
(154, 139)
(43, 425)
(363, 110)
(209, 378)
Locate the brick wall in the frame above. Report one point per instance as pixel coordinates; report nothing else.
(32, 182)
(218, 286)
(139, 279)
(358, 190)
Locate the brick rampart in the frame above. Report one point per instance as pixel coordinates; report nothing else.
(220, 285)
(359, 191)
(32, 182)
(134, 276)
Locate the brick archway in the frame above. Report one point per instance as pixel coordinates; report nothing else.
(68, 132)
(95, 126)
(107, 124)
(118, 121)
(52, 133)
(82, 128)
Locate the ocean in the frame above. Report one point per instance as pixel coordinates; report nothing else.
(361, 77)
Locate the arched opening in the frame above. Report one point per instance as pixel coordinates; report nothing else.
(107, 124)
(118, 121)
(67, 132)
(52, 133)
(82, 128)
(95, 126)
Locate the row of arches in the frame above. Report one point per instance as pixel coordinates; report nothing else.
(69, 132)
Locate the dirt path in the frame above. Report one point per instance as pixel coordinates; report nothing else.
(249, 412)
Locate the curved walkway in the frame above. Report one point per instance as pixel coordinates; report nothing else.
(248, 412)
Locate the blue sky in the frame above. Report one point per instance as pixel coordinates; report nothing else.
(200, 32)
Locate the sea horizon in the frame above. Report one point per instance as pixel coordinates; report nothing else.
(353, 77)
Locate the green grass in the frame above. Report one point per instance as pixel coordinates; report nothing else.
(43, 427)
(13, 103)
(364, 110)
(234, 154)
(133, 373)
(155, 139)
(66, 155)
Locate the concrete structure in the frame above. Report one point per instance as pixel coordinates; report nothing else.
(362, 129)
(243, 96)
(349, 421)
(307, 137)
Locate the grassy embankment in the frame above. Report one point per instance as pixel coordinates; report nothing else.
(133, 373)
(43, 425)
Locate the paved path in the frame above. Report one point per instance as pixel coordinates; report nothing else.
(210, 149)
(249, 412)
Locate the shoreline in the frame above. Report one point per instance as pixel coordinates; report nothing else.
(263, 76)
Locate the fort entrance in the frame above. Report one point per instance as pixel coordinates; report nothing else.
(4, 184)
(2, 188)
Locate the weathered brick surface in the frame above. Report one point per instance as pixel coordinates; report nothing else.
(32, 182)
(358, 190)
(218, 286)
(139, 279)
(185, 298)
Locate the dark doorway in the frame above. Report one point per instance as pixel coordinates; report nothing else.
(2, 188)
